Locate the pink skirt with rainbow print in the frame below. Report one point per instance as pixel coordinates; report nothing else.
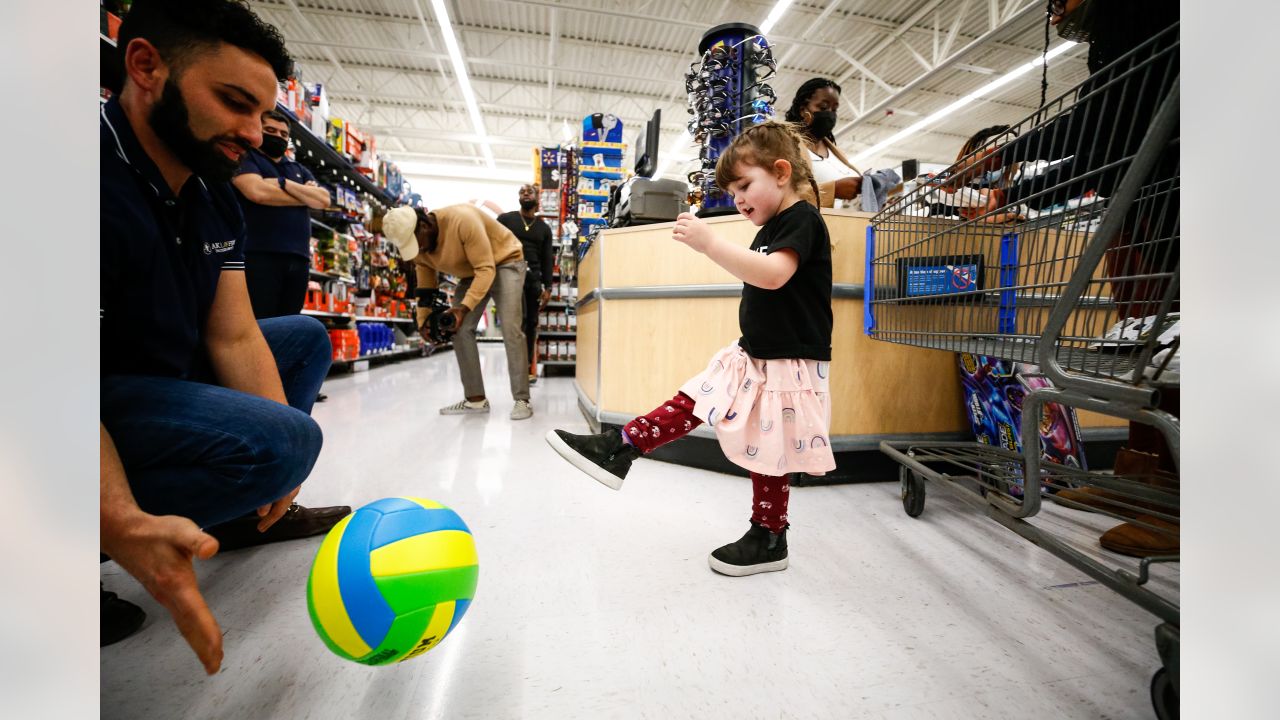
(772, 417)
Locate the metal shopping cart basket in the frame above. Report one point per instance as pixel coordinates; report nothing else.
(1055, 243)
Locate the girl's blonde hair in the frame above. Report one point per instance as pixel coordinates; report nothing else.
(761, 146)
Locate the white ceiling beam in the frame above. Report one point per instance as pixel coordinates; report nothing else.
(811, 31)
(656, 97)
(306, 25)
(918, 57)
(995, 13)
(945, 50)
(865, 71)
(671, 110)
(897, 32)
(481, 61)
(454, 48)
(522, 112)
(687, 54)
(940, 67)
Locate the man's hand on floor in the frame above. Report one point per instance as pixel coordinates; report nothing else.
(159, 552)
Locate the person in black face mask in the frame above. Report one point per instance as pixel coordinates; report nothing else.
(275, 194)
(814, 109)
(536, 238)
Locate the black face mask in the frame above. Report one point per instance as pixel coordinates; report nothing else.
(528, 205)
(172, 124)
(822, 124)
(273, 146)
(1077, 25)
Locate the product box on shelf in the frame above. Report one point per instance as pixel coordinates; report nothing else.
(346, 344)
(318, 103)
(993, 394)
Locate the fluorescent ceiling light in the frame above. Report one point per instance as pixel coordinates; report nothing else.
(669, 157)
(774, 15)
(460, 71)
(464, 172)
(983, 91)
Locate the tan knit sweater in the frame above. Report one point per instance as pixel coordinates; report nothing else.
(471, 244)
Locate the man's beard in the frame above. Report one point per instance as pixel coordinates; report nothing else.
(171, 122)
(528, 205)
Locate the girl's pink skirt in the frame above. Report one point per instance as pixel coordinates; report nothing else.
(772, 417)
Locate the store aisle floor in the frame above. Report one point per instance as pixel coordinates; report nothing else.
(594, 603)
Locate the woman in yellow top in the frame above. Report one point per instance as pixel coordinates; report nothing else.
(488, 260)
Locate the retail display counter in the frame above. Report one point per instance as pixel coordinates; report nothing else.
(652, 312)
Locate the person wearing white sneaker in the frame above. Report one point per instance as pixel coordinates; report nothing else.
(522, 410)
(467, 407)
(488, 261)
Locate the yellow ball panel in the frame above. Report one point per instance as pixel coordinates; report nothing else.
(440, 550)
(327, 598)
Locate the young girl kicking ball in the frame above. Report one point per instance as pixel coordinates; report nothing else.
(766, 394)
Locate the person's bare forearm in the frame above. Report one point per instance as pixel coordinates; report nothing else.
(117, 509)
(313, 196)
(753, 268)
(267, 191)
(246, 364)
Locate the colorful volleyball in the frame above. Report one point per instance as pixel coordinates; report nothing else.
(392, 580)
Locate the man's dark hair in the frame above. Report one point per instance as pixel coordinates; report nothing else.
(181, 29)
(276, 115)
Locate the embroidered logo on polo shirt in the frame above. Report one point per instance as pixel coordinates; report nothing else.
(219, 247)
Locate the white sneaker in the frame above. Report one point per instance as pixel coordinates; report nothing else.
(466, 407)
(522, 410)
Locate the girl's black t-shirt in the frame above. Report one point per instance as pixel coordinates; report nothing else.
(795, 320)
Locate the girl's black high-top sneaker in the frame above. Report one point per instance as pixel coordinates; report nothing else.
(758, 551)
(605, 457)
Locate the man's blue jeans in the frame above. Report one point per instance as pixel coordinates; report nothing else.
(212, 454)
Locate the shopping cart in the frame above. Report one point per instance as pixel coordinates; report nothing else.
(1055, 243)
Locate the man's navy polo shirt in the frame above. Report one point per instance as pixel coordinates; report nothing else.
(271, 228)
(161, 257)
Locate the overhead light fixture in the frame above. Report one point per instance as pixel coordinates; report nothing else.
(460, 72)
(981, 92)
(669, 157)
(775, 15)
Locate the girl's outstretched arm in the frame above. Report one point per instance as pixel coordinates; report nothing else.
(768, 272)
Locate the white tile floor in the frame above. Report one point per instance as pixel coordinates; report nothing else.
(600, 604)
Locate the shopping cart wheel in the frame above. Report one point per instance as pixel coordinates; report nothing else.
(1164, 697)
(912, 491)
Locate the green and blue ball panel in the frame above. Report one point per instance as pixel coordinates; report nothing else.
(392, 580)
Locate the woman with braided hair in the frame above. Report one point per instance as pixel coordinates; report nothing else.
(814, 110)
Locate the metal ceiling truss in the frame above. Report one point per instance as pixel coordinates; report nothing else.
(529, 71)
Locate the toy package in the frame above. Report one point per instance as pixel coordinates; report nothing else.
(993, 394)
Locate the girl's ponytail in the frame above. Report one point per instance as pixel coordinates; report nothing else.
(764, 144)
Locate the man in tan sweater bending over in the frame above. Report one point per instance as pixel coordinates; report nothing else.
(488, 260)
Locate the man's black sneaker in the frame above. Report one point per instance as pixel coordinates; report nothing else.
(758, 551)
(605, 457)
(118, 619)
